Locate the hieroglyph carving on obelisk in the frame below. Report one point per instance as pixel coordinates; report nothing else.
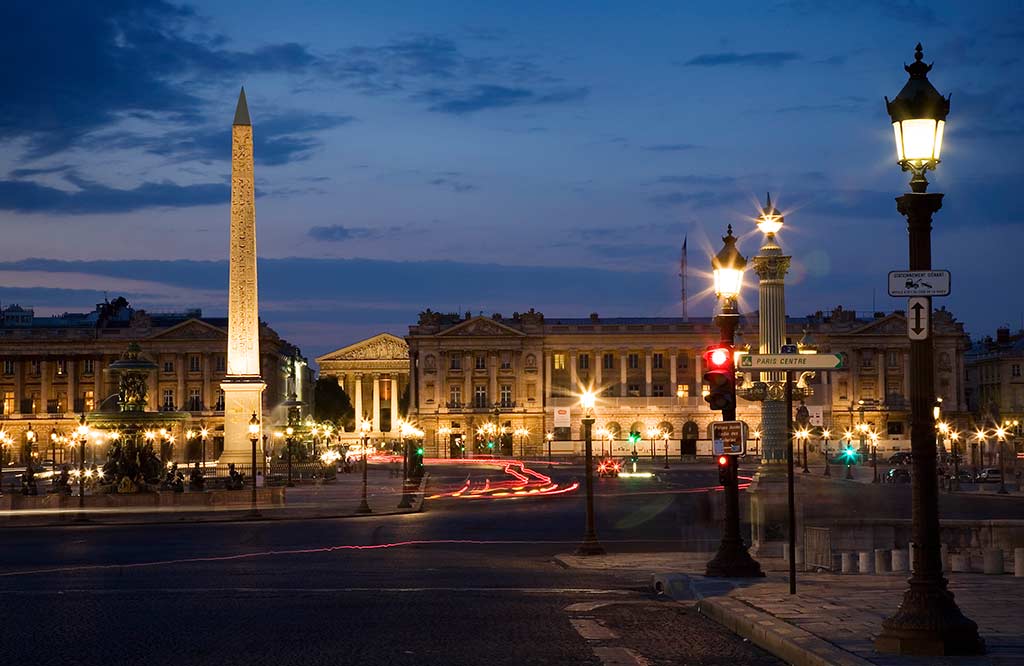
(243, 386)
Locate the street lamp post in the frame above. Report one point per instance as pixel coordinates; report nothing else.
(652, 434)
(3, 458)
(204, 432)
(825, 434)
(732, 558)
(289, 433)
(83, 437)
(53, 449)
(848, 436)
(30, 437)
(405, 428)
(757, 443)
(664, 436)
(549, 436)
(954, 438)
(254, 436)
(364, 428)
(590, 545)
(444, 432)
(803, 436)
(874, 456)
(1001, 440)
(928, 621)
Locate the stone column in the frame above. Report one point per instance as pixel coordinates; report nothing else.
(97, 375)
(648, 352)
(673, 374)
(19, 386)
(179, 391)
(492, 377)
(547, 377)
(573, 376)
(72, 385)
(856, 358)
(598, 361)
(357, 389)
(698, 374)
(376, 403)
(394, 401)
(207, 388)
(44, 386)
(623, 353)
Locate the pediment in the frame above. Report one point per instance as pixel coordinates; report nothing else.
(191, 329)
(381, 347)
(893, 324)
(481, 327)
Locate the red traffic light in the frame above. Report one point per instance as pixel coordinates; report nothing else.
(723, 460)
(718, 356)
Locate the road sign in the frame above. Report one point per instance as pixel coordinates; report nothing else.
(919, 313)
(792, 362)
(919, 283)
(789, 349)
(729, 438)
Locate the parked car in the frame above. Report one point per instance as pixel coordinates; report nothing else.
(900, 458)
(897, 475)
(990, 475)
(609, 467)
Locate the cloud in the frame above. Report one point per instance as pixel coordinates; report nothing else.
(671, 147)
(460, 101)
(691, 179)
(337, 232)
(89, 198)
(455, 185)
(755, 59)
(701, 199)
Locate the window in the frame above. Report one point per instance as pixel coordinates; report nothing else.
(683, 390)
(62, 367)
(88, 400)
(506, 361)
(481, 362)
(455, 395)
(456, 361)
(658, 361)
(480, 395)
(219, 407)
(195, 400)
(506, 395)
(633, 361)
(559, 361)
(168, 404)
(219, 363)
(531, 391)
(1015, 370)
(867, 358)
(682, 361)
(168, 366)
(633, 390)
(843, 389)
(894, 428)
(33, 401)
(8, 402)
(892, 359)
(88, 366)
(193, 363)
(608, 361)
(8, 369)
(658, 390)
(36, 368)
(583, 361)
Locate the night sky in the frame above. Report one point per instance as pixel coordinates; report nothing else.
(528, 154)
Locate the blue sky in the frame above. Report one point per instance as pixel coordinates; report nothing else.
(499, 157)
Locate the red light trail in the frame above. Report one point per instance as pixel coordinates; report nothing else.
(525, 482)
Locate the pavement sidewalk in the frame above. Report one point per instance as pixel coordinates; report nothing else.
(334, 499)
(833, 619)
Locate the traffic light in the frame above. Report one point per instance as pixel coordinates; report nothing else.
(634, 438)
(417, 461)
(720, 377)
(849, 454)
(723, 470)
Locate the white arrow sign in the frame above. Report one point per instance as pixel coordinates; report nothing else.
(919, 283)
(919, 313)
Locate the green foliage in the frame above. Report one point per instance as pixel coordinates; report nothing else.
(331, 403)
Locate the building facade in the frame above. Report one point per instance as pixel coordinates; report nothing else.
(995, 378)
(525, 373)
(54, 368)
(374, 374)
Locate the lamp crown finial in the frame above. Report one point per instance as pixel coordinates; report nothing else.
(918, 69)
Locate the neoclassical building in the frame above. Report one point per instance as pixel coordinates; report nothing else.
(374, 373)
(524, 372)
(54, 368)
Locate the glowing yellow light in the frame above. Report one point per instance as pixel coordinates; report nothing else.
(204, 433)
(289, 431)
(943, 427)
(587, 400)
(728, 282)
(367, 426)
(826, 434)
(1001, 433)
(189, 434)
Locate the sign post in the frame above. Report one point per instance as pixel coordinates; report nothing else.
(729, 438)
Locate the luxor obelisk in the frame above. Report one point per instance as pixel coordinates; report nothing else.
(243, 385)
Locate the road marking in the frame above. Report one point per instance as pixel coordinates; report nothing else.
(619, 656)
(319, 590)
(592, 630)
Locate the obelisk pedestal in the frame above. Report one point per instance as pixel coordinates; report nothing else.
(243, 385)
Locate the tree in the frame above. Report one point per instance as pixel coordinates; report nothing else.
(331, 403)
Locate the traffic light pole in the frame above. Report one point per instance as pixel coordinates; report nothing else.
(732, 559)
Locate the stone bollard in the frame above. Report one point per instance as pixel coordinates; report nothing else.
(1018, 562)
(993, 558)
(847, 563)
(881, 561)
(900, 561)
(960, 562)
(866, 563)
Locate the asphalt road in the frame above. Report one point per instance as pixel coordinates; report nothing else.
(464, 582)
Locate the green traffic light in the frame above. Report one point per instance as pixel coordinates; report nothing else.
(419, 451)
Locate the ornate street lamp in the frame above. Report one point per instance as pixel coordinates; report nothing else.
(803, 435)
(590, 545)
(1001, 439)
(364, 429)
(204, 432)
(954, 438)
(83, 437)
(825, 435)
(254, 436)
(444, 432)
(3, 458)
(549, 436)
(289, 437)
(732, 558)
(404, 430)
(664, 435)
(30, 438)
(874, 455)
(928, 621)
